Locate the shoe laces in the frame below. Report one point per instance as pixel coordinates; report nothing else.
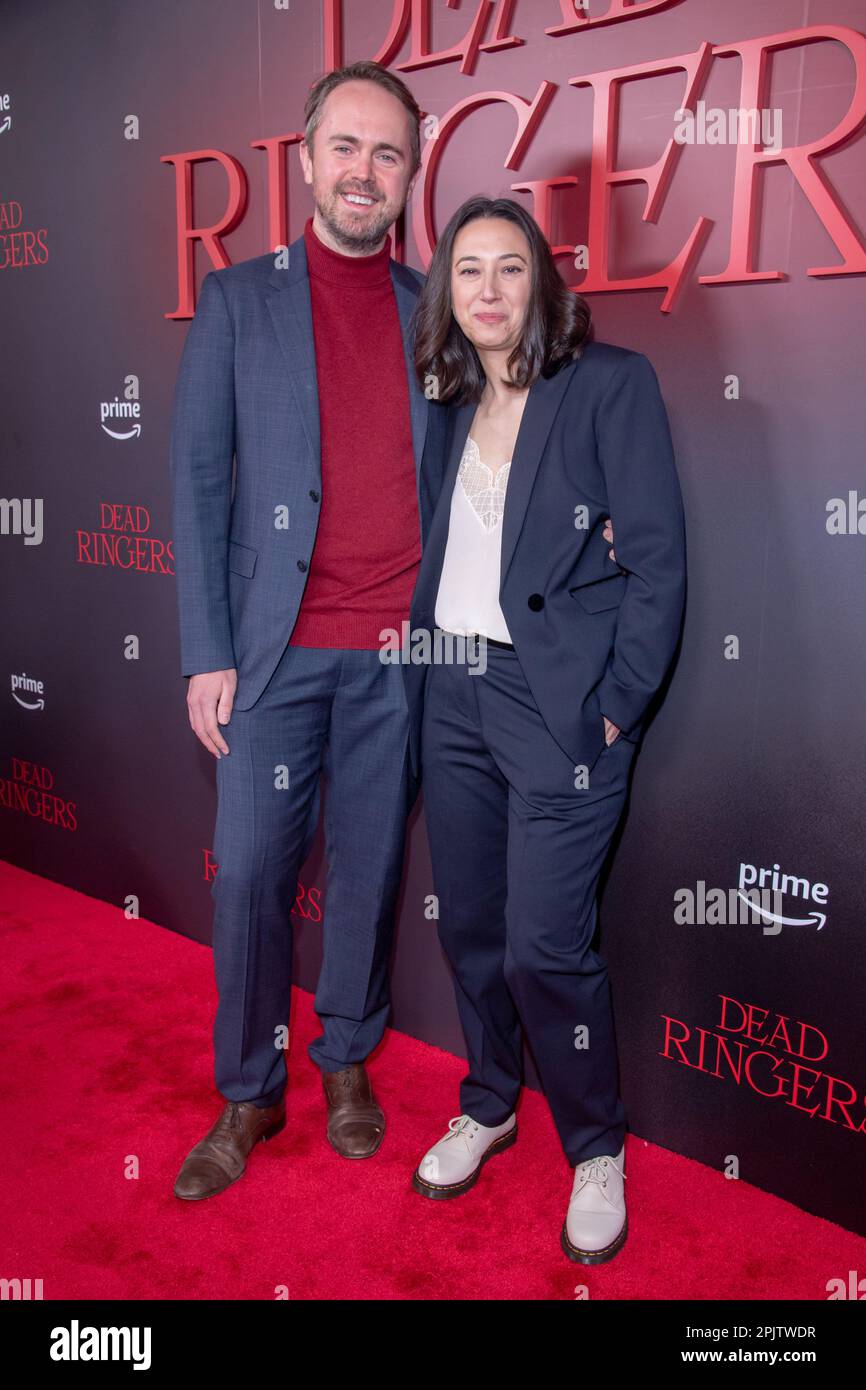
(459, 1128)
(229, 1121)
(595, 1170)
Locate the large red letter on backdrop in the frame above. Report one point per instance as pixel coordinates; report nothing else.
(814, 183)
(619, 9)
(603, 177)
(333, 23)
(529, 114)
(187, 234)
(468, 47)
(278, 203)
(541, 193)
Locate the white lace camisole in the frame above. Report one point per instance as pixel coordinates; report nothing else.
(468, 597)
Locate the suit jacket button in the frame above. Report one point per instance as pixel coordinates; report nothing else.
(536, 602)
(302, 564)
(314, 495)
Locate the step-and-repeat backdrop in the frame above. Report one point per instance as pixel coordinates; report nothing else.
(699, 168)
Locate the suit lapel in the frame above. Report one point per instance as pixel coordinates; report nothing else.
(542, 403)
(433, 553)
(406, 295)
(291, 311)
(292, 314)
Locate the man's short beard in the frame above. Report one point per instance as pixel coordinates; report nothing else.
(367, 240)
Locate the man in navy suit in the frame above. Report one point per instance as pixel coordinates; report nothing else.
(286, 577)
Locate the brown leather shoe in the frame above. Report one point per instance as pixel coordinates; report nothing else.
(219, 1159)
(356, 1124)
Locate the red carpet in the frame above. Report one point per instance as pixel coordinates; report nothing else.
(107, 1065)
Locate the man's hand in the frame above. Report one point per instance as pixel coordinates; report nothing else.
(209, 700)
(607, 533)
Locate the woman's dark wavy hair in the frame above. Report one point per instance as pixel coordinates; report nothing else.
(558, 321)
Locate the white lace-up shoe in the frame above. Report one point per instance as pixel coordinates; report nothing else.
(596, 1223)
(452, 1166)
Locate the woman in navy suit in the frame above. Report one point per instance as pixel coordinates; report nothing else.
(549, 653)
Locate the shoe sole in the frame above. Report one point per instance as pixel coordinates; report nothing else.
(593, 1257)
(271, 1133)
(440, 1193)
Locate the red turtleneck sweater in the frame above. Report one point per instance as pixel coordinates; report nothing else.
(368, 543)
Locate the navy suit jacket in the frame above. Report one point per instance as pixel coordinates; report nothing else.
(247, 388)
(594, 637)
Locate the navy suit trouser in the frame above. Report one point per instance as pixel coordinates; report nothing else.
(342, 714)
(516, 849)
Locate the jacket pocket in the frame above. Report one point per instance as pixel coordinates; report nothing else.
(603, 593)
(242, 559)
